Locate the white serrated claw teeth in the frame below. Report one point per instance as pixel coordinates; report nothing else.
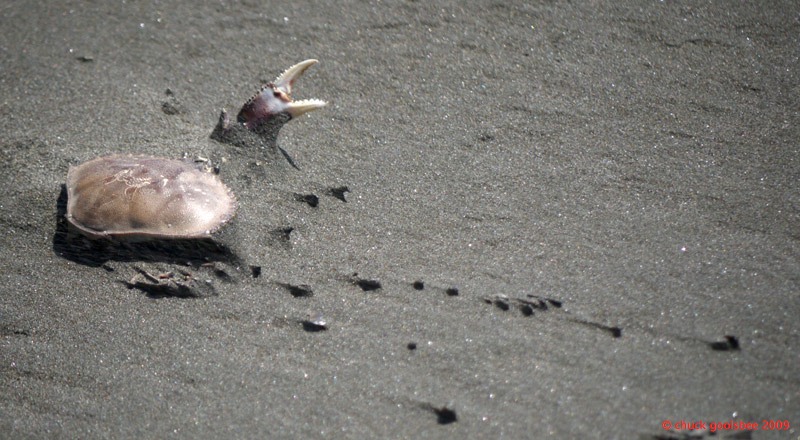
(297, 108)
(285, 80)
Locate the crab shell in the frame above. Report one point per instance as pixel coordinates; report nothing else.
(147, 197)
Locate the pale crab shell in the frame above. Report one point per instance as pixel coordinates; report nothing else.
(149, 197)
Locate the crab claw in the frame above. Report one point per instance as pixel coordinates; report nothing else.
(276, 98)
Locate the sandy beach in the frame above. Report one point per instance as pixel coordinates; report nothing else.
(512, 220)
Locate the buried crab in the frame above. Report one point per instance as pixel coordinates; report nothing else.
(141, 197)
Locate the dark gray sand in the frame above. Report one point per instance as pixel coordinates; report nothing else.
(569, 220)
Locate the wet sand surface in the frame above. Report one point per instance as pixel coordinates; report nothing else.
(539, 220)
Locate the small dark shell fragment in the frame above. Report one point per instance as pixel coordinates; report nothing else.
(140, 196)
(316, 322)
(730, 343)
(445, 415)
